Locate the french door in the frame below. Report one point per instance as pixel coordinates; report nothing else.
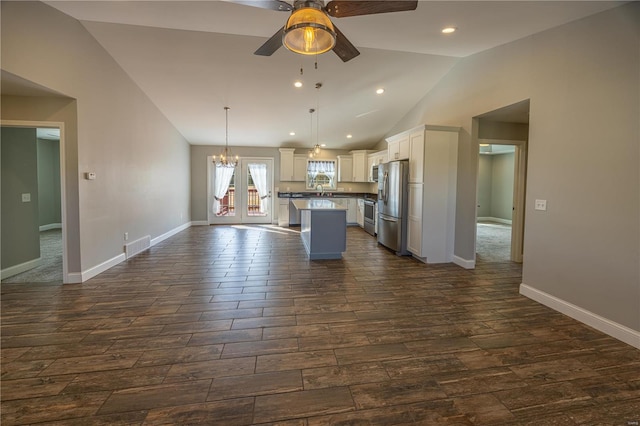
(242, 194)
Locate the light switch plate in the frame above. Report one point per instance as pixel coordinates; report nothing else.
(541, 205)
(26, 197)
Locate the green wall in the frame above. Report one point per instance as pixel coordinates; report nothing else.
(49, 182)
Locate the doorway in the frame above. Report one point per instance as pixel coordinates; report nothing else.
(242, 194)
(502, 137)
(34, 246)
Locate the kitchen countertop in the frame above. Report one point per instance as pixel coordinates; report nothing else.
(328, 194)
(317, 204)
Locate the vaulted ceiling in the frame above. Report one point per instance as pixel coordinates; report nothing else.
(193, 58)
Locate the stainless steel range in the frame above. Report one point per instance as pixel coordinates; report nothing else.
(370, 216)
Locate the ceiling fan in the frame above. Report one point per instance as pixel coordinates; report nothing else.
(309, 30)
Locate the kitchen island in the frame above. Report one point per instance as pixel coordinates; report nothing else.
(323, 228)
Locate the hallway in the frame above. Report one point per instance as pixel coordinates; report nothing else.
(234, 325)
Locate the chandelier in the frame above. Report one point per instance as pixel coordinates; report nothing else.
(225, 159)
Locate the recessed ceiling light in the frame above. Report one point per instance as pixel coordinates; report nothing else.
(380, 91)
(449, 30)
(298, 83)
(323, 145)
(292, 133)
(349, 136)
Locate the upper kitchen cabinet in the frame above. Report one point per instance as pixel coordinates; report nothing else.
(300, 167)
(398, 147)
(360, 163)
(345, 168)
(286, 164)
(293, 167)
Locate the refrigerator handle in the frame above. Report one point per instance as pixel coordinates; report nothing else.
(385, 187)
(388, 219)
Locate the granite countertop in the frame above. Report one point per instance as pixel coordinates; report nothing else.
(327, 194)
(317, 204)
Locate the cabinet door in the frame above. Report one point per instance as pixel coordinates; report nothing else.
(300, 168)
(414, 223)
(416, 157)
(286, 164)
(352, 212)
(360, 167)
(403, 149)
(360, 212)
(394, 150)
(283, 213)
(345, 169)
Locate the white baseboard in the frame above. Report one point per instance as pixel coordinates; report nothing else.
(74, 278)
(495, 219)
(20, 268)
(107, 264)
(50, 226)
(92, 272)
(466, 264)
(171, 233)
(199, 223)
(613, 329)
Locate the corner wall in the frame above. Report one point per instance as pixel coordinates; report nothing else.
(583, 82)
(140, 160)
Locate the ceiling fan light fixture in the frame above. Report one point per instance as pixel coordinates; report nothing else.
(309, 31)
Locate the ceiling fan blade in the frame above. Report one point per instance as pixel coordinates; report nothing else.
(271, 45)
(278, 5)
(343, 48)
(343, 8)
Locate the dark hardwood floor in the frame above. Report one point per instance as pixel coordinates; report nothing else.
(235, 326)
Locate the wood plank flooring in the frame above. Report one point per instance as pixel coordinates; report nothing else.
(231, 325)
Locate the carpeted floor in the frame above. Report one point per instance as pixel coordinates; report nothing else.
(51, 268)
(493, 242)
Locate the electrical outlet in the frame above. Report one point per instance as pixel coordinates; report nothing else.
(541, 205)
(126, 236)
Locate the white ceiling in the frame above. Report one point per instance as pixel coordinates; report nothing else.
(192, 58)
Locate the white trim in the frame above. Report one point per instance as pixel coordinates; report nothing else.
(495, 219)
(74, 278)
(50, 226)
(98, 269)
(171, 233)
(613, 329)
(199, 223)
(466, 264)
(20, 268)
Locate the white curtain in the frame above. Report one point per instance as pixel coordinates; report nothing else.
(223, 177)
(259, 175)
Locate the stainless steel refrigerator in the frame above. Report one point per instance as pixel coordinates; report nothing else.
(393, 196)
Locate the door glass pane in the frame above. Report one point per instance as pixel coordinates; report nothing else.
(227, 203)
(257, 190)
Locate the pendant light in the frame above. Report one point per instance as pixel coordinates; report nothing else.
(226, 157)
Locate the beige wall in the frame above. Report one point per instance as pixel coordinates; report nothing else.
(140, 159)
(583, 82)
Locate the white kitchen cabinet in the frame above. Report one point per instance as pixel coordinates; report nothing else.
(286, 164)
(345, 168)
(300, 168)
(398, 147)
(360, 170)
(352, 209)
(283, 211)
(360, 212)
(433, 159)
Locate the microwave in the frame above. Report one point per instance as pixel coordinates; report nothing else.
(374, 173)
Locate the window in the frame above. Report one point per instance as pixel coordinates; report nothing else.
(321, 172)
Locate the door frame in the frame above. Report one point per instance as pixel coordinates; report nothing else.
(519, 194)
(63, 198)
(239, 182)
